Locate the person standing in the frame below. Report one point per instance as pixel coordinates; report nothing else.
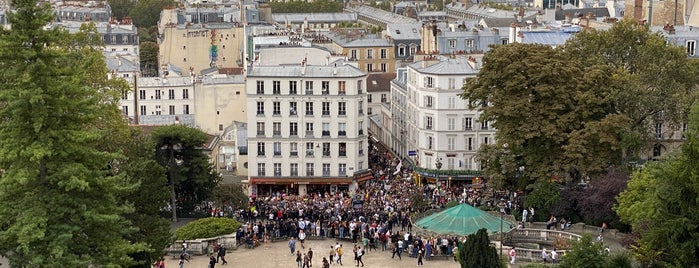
(299, 259)
(212, 260)
(525, 212)
(544, 255)
(292, 245)
(554, 255)
(310, 257)
(302, 238)
(222, 254)
(512, 253)
(306, 261)
(420, 254)
(326, 264)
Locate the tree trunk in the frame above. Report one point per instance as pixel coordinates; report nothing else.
(173, 197)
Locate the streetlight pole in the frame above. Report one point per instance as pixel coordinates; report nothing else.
(501, 205)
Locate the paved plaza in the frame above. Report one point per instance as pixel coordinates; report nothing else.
(278, 255)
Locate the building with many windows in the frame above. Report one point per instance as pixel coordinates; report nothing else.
(160, 101)
(443, 134)
(307, 128)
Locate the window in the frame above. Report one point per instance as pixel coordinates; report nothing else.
(309, 149)
(171, 94)
(369, 67)
(260, 148)
(370, 53)
(343, 149)
(260, 87)
(309, 87)
(360, 84)
(309, 129)
(504, 41)
(309, 169)
(429, 81)
(293, 149)
(383, 67)
(691, 47)
(451, 123)
(368, 98)
(260, 169)
(341, 108)
(125, 110)
(468, 123)
(452, 83)
(428, 101)
(276, 108)
(157, 94)
(326, 108)
(171, 109)
(450, 143)
(361, 148)
(450, 163)
(469, 42)
(309, 108)
(360, 126)
(141, 94)
(484, 125)
(157, 110)
(353, 55)
(342, 170)
(277, 169)
(185, 94)
(294, 169)
(469, 144)
(341, 131)
(260, 108)
(276, 87)
(293, 129)
(383, 98)
(326, 149)
(326, 129)
(325, 87)
(341, 87)
(485, 140)
(452, 102)
(658, 130)
(277, 148)
(326, 169)
(428, 122)
(384, 53)
(429, 143)
(185, 109)
(260, 128)
(401, 51)
(292, 88)
(684, 129)
(452, 43)
(277, 128)
(292, 108)
(361, 107)
(125, 39)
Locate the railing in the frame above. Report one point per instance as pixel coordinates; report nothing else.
(535, 236)
(446, 173)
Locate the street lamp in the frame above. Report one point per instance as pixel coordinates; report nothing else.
(171, 163)
(438, 165)
(449, 184)
(501, 205)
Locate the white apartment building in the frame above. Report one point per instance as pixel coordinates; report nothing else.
(307, 128)
(441, 130)
(160, 101)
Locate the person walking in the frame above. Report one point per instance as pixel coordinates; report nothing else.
(302, 238)
(420, 254)
(512, 254)
(331, 253)
(339, 255)
(222, 254)
(292, 245)
(326, 264)
(544, 255)
(360, 253)
(554, 255)
(310, 257)
(212, 260)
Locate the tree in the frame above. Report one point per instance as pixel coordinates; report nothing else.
(147, 12)
(121, 8)
(232, 195)
(585, 253)
(60, 204)
(149, 58)
(661, 204)
(573, 129)
(191, 177)
(477, 252)
(543, 196)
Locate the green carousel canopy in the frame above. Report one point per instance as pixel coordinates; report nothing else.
(463, 220)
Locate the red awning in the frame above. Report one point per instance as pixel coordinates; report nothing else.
(364, 176)
(263, 180)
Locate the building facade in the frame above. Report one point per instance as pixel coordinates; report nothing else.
(443, 134)
(160, 101)
(308, 128)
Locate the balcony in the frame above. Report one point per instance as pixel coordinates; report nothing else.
(326, 153)
(325, 92)
(293, 133)
(260, 133)
(294, 154)
(342, 133)
(309, 152)
(326, 133)
(309, 112)
(341, 113)
(326, 173)
(309, 133)
(361, 132)
(309, 92)
(277, 133)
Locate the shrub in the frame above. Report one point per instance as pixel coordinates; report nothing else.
(451, 204)
(207, 227)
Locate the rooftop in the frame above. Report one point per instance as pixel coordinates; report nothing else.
(379, 81)
(450, 66)
(318, 71)
(356, 38)
(164, 82)
(404, 31)
(380, 15)
(283, 18)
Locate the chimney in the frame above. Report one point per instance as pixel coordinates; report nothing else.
(335, 69)
(303, 67)
(472, 62)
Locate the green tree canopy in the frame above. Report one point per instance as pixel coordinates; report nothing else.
(60, 203)
(571, 112)
(149, 58)
(191, 176)
(146, 13)
(587, 253)
(662, 205)
(121, 8)
(298, 6)
(477, 252)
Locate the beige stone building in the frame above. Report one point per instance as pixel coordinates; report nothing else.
(188, 44)
(219, 100)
